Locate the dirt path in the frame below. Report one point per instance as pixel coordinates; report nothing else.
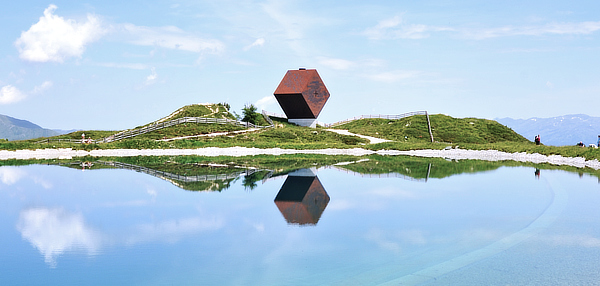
(373, 140)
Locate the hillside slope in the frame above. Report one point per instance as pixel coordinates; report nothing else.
(444, 129)
(18, 129)
(207, 110)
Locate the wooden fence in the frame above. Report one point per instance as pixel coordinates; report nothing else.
(157, 126)
(181, 178)
(266, 114)
(384, 175)
(390, 117)
(48, 140)
(273, 114)
(381, 116)
(172, 176)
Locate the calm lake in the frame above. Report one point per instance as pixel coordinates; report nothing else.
(415, 222)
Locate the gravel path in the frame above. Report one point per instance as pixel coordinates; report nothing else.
(373, 140)
(457, 154)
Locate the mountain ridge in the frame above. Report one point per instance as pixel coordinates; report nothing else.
(561, 130)
(18, 129)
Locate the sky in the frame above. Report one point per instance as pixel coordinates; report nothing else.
(111, 65)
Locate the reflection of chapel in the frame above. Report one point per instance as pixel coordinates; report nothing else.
(302, 95)
(302, 199)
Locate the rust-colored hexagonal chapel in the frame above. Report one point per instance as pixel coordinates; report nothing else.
(302, 95)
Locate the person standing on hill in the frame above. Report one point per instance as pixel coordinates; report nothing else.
(538, 140)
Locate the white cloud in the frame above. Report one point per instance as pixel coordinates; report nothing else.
(152, 77)
(394, 28)
(258, 43)
(43, 87)
(291, 24)
(265, 102)
(287, 22)
(10, 175)
(124, 66)
(54, 231)
(339, 205)
(549, 84)
(173, 230)
(337, 64)
(379, 31)
(10, 94)
(394, 76)
(170, 37)
(378, 237)
(54, 38)
(582, 28)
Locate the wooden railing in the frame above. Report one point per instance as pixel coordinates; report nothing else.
(48, 140)
(273, 114)
(390, 117)
(181, 178)
(182, 120)
(266, 114)
(157, 126)
(381, 116)
(385, 175)
(171, 177)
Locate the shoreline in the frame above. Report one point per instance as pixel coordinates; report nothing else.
(455, 154)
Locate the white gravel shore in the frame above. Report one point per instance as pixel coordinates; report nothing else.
(457, 154)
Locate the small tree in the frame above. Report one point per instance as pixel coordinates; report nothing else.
(250, 114)
(226, 105)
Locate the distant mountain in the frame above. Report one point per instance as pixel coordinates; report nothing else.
(18, 129)
(557, 131)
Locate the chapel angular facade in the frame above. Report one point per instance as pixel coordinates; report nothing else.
(302, 95)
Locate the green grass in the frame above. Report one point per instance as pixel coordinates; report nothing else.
(283, 135)
(188, 129)
(407, 134)
(94, 134)
(413, 167)
(420, 168)
(444, 129)
(201, 110)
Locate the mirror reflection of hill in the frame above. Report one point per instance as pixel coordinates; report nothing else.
(417, 167)
(265, 166)
(191, 177)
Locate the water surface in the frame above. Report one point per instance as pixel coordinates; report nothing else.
(332, 225)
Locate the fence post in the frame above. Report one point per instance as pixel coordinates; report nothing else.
(429, 126)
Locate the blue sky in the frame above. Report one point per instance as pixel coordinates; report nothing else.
(119, 64)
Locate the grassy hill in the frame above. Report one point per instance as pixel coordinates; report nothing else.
(282, 135)
(207, 110)
(189, 129)
(407, 134)
(444, 128)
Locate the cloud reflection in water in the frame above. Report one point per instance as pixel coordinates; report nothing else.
(11, 175)
(55, 231)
